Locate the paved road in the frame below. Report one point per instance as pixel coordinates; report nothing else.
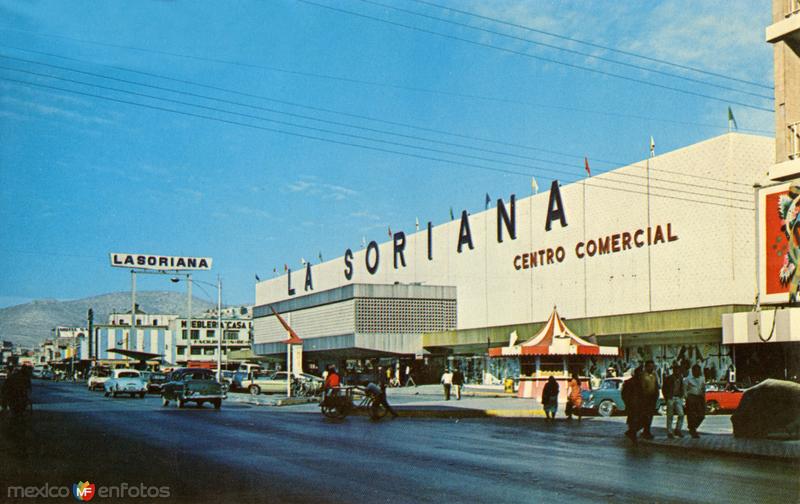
(251, 454)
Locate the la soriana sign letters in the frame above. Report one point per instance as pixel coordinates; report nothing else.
(159, 262)
(507, 227)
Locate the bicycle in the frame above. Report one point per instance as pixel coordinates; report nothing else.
(339, 402)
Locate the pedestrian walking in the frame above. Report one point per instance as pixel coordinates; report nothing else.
(574, 400)
(695, 400)
(632, 397)
(447, 382)
(674, 394)
(458, 382)
(550, 398)
(410, 376)
(649, 398)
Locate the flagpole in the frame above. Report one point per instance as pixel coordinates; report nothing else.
(649, 258)
(585, 287)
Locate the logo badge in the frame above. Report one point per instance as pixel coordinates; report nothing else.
(83, 491)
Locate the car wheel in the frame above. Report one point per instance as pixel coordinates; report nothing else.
(141, 395)
(255, 389)
(106, 393)
(217, 403)
(606, 408)
(164, 401)
(181, 403)
(199, 404)
(712, 407)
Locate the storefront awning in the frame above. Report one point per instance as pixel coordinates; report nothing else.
(554, 338)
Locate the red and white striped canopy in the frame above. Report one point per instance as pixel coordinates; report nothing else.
(555, 338)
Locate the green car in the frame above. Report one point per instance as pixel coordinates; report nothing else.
(606, 400)
(192, 385)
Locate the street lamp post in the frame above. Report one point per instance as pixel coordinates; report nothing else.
(218, 286)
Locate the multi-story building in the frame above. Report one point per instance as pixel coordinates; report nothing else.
(768, 336)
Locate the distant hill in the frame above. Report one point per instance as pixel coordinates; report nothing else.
(29, 324)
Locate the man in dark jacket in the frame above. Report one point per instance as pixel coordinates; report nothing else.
(649, 398)
(632, 397)
(674, 394)
(458, 382)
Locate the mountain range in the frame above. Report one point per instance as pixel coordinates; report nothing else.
(29, 324)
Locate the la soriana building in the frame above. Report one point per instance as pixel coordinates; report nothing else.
(646, 258)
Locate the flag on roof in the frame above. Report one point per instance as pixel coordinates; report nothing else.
(320, 256)
(586, 166)
(534, 186)
(731, 120)
(488, 200)
(416, 223)
(390, 231)
(451, 214)
(652, 147)
(285, 267)
(257, 279)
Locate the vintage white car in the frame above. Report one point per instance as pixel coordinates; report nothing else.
(99, 376)
(125, 381)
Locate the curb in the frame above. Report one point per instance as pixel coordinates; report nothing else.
(720, 451)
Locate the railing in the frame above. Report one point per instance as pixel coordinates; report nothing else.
(791, 7)
(793, 141)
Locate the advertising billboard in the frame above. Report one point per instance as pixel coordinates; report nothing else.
(779, 242)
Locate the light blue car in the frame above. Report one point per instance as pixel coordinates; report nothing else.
(125, 381)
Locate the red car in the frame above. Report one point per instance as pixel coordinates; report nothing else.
(722, 397)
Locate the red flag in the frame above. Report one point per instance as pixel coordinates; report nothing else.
(586, 165)
(390, 231)
(293, 337)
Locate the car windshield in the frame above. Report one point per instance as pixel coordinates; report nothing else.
(609, 385)
(157, 376)
(101, 372)
(128, 374)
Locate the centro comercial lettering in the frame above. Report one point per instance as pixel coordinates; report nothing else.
(609, 244)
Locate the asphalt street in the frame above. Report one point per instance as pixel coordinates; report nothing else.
(246, 453)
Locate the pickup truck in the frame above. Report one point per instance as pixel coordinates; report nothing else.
(192, 385)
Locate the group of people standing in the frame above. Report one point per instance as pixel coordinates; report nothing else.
(452, 380)
(682, 395)
(574, 399)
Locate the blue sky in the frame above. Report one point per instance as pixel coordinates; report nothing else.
(81, 176)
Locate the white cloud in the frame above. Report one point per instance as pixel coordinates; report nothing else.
(52, 111)
(312, 187)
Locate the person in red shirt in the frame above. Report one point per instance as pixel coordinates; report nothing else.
(333, 379)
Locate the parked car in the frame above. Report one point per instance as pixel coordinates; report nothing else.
(722, 397)
(261, 382)
(47, 374)
(193, 385)
(606, 400)
(98, 377)
(125, 381)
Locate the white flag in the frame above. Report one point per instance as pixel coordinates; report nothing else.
(513, 338)
(534, 186)
(652, 147)
(417, 223)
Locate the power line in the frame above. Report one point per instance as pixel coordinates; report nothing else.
(388, 142)
(339, 142)
(407, 125)
(348, 125)
(374, 84)
(592, 44)
(565, 49)
(532, 56)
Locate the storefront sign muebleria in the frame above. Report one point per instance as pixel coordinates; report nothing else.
(159, 262)
(507, 221)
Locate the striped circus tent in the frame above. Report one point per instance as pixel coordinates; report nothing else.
(555, 338)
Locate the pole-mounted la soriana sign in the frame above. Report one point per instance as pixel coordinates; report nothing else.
(159, 262)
